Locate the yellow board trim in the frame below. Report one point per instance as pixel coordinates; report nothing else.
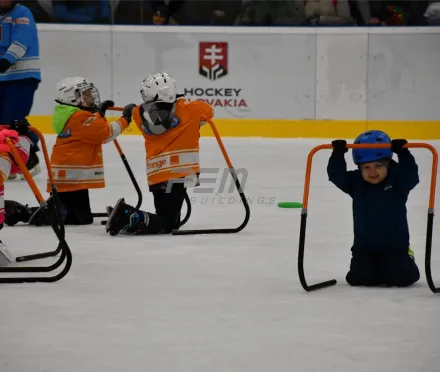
(270, 128)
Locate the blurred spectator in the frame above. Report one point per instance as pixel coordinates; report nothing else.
(133, 12)
(238, 12)
(432, 13)
(85, 11)
(271, 13)
(397, 13)
(328, 12)
(360, 11)
(202, 13)
(141, 12)
(41, 10)
(161, 16)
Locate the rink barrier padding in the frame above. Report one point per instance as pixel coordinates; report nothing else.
(304, 213)
(53, 213)
(291, 128)
(237, 185)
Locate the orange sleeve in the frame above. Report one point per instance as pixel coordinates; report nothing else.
(94, 129)
(137, 118)
(203, 110)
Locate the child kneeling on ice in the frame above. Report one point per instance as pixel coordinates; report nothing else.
(381, 253)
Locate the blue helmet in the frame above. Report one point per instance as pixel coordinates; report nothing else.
(372, 155)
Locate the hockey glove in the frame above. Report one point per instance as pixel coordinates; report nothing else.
(4, 65)
(397, 145)
(128, 112)
(103, 107)
(339, 146)
(21, 126)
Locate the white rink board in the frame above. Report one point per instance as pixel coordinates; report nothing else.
(404, 82)
(341, 86)
(279, 73)
(251, 74)
(66, 53)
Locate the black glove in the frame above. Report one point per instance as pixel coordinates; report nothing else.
(21, 126)
(128, 112)
(397, 145)
(103, 107)
(4, 65)
(339, 146)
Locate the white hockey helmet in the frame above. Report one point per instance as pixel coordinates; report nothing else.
(77, 91)
(159, 87)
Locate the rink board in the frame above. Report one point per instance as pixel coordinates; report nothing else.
(278, 82)
(275, 128)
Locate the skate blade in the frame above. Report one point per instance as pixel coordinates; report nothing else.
(5, 256)
(33, 171)
(110, 213)
(19, 176)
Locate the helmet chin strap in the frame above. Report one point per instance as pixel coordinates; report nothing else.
(85, 108)
(160, 113)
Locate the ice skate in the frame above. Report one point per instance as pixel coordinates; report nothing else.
(33, 165)
(119, 217)
(16, 212)
(5, 256)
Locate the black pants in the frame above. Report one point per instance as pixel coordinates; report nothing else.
(168, 206)
(389, 269)
(76, 207)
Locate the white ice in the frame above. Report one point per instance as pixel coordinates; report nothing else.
(220, 303)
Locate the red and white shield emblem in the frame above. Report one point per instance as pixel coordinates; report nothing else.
(213, 59)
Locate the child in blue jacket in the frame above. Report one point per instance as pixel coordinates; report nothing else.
(381, 253)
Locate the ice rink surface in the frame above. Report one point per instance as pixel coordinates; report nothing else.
(217, 303)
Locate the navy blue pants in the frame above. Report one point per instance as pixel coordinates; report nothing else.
(16, 100)
(390, 269)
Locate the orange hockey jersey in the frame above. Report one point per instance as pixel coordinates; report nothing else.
(174, 153)
(76, 158)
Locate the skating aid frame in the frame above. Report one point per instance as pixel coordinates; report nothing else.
(237, 185)
(430, 217)
(53, 213)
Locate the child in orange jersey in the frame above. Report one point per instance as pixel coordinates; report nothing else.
(171, 128)
(81, 127)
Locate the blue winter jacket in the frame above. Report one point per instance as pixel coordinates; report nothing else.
(379, 211)
(19, 44)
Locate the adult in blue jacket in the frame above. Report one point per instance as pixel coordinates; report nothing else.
(19, 68)
(381, 253)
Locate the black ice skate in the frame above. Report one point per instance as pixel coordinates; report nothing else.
(16, 212)
(33, 164)
(121, 217)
